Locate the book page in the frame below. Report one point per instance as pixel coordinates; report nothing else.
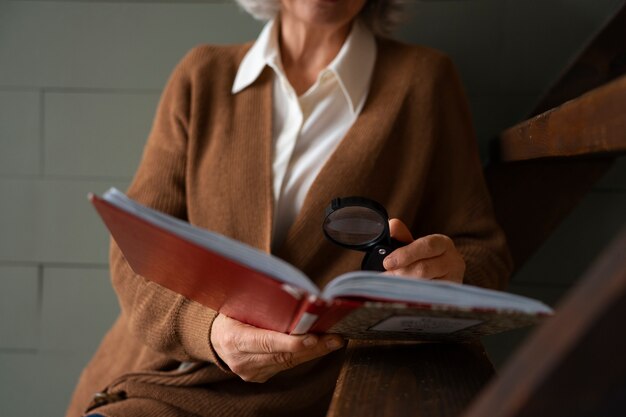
(376, 286)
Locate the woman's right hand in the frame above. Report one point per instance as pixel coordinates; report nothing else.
(257, 354)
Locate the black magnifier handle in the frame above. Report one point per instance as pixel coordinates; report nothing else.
(373, 260)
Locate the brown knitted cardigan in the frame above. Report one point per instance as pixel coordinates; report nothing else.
(208, 160)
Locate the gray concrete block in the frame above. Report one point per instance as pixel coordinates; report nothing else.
(38, 384)
(20, 143)
(79, 306)
(19, 307)
(467, 31)
(96, 134)
(577, 242)
(51, 221)
(21, 214)
(71, 228)
(540, 38)
(109, 44)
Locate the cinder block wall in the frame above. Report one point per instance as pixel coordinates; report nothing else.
(79, 82)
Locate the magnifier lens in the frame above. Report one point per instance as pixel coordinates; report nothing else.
(354, 225)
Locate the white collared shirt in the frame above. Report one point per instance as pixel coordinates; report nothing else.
(308, 128)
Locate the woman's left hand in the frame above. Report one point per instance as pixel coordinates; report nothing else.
(430, 257)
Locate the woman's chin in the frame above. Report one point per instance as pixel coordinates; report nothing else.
(323, 12)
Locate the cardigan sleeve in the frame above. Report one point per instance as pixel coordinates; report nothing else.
(457, 200)
(163, 320)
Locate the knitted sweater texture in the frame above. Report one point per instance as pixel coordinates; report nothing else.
(208, 160)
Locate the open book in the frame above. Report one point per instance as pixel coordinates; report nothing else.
(262, 290)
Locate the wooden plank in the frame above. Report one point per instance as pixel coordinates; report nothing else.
(409, 379)
(601, 61)
(591, 124)
(574, 364)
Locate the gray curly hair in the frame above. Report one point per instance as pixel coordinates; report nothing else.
(382, 16)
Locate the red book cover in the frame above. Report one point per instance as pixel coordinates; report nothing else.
(199, 274)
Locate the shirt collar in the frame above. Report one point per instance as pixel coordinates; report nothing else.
(263, 52)
(353, 65)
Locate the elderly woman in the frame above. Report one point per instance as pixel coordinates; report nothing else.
(253, 141)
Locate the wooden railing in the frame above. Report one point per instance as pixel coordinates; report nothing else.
(593, 124)
(543, 168)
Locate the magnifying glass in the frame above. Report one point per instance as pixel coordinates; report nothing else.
(361, 224)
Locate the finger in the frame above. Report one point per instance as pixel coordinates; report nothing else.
(431, 268)
(400, 231)
(456, 278)
(250, 339)
(423, 248)
(287, 360)
(327, 344)
(262, 366)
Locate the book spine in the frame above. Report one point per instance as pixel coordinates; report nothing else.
(309, 311)
(334, 312)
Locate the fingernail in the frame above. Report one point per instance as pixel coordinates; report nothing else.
(309, 341)
(334, 343)
(390, 262)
